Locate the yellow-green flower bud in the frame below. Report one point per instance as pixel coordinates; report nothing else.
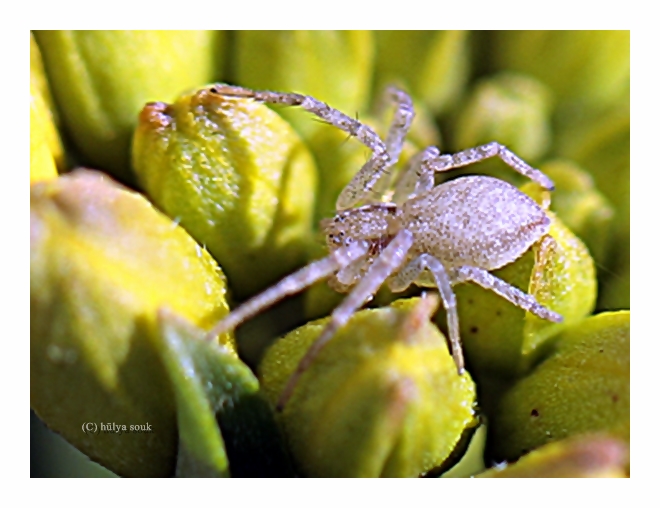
(582, 386)
(101, 79)
(382, 398)
(46, 151)
(586, 67)
(38, 79)
(102, 261)
(334, 66)
(502, 340)
(584, 456)
(580, 206)
(601, 144)
(508, 108)
(432, 64)
(236, 176)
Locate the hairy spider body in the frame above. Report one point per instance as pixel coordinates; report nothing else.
(476, 220)
(436, 236)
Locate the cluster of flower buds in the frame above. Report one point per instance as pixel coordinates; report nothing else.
(221, 196)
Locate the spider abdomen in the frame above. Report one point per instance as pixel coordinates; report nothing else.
(474, 220)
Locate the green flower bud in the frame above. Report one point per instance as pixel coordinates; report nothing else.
(582, 386)
(580, 206)
(201, 447)
(334, 66)
(101, 79)
(382, 398)
(584, 456)
(102, 261)
(511, 109)
(217, 397)
(590, 68)
(432, 64)
(601, 144)
(615, 290)
(236, 176)
(472, 461)
(46, 151)
(503, 341)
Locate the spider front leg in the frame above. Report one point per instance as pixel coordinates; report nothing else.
(389, 260)
(364, 181)
(411, 273)
(507, 291)
(290, 285)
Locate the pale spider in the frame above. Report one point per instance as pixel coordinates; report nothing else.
(429, 235)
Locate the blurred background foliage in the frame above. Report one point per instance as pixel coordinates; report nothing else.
(560, 99)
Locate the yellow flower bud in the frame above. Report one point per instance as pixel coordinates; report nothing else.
(584, 456)
(102, 261)
(42, 162)
(236, 176)
(101, 79)
(383, 397)
(46, 151)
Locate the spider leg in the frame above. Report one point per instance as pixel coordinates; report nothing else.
(494, 149)
(403, 117)
(417, 177)
(364, 181)
(507, 291)
(399, 127)
(383, 266)
(290, 285)
(411, 272)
